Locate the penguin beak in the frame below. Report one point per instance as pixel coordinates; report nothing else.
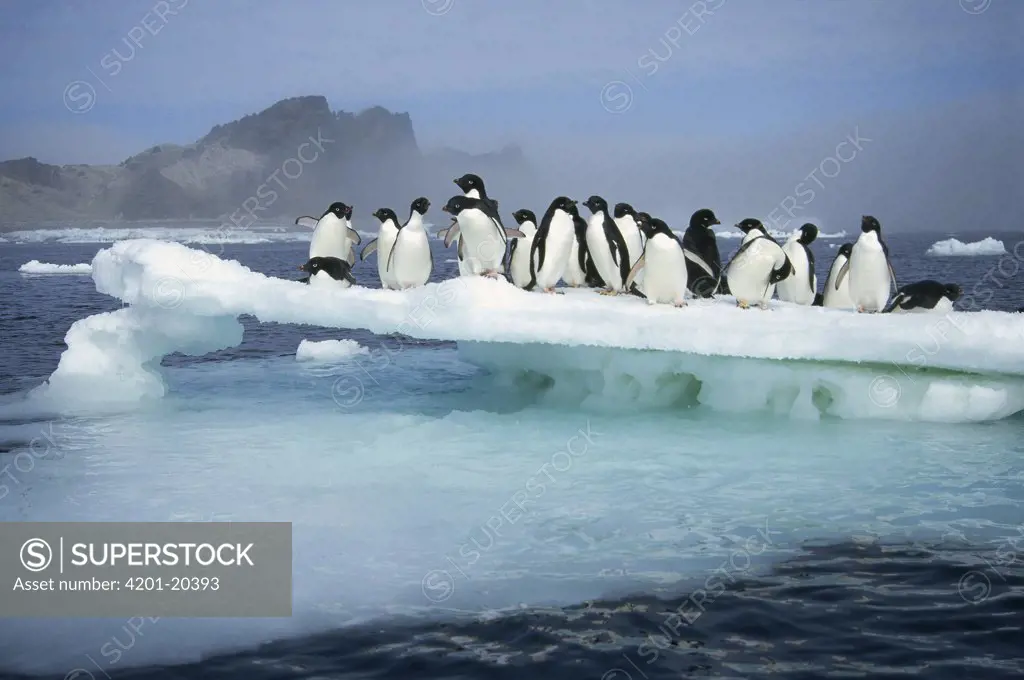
(445, 209)
(717, 221)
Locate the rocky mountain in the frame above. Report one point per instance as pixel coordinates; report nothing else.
(292, 158)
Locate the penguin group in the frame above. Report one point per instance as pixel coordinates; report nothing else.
(617, 250)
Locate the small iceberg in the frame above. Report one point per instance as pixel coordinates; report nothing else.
(328, 350)
(952, 248)
(37, 267)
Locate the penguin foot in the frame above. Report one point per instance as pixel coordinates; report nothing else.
(764, 305)
(608, 291)
(680, 303)
(492, 274)
(860, 309)
(552, 291)
(742, 304)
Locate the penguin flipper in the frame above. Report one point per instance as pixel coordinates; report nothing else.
(459, 250)
(514, 233)
(900, 300)
(350, 277)
(635, 270)
(306, 221)
(843, 271)
(892, 274)
(453, 231)
(780, 274)
(355, 237)
(304, 279)
(352, 255)
(368, 250)
(697, 260)
(391, 256)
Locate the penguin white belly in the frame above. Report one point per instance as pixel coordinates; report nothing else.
(943, 306)
(557, 247)
(869, 274)
(519, 268)
(796, 288)
(483, 247)
(666, 271)
(838, 299)
(748, 273)
(385, 242)
(324, 280)
(412, 262)
(600, 253)
(574, 276)
(330, 239)
(634, 244)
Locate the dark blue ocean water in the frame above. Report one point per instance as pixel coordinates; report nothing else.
(846, 608)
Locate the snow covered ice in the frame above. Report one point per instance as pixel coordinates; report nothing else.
(952, 247)
(329, 350)
(798, 361)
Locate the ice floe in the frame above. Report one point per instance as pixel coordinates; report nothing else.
(953, 247)
(798, 361)
(37, 267)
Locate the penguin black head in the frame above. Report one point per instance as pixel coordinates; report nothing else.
(750, 224)
(643, 217)
(596, 204)
(336, 268)
(704, 218)
(623, 209)
(469, 181)
(659, 227)
(808, 233)
(953, 292)
(562, 203)
(385, 214)
(340, 210)
(420, 205)
(573, 209)
(523, 215)
(845, 250)
(869, 223)
(457, 204)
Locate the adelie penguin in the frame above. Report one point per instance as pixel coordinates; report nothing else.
(925, 296)
(607, 247)
(869, 268)
(333, 235)
(626, 220)
(383, 245)
(552, 245)
(700, 238)
(800, 287)
(410, 261)
(580, 270)
(328, 271)
(472, 186)
(837, 292)
(483, 238)
(664, 260)
(757, 266)
(519, 255)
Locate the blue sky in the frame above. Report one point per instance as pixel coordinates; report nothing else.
(732, 76)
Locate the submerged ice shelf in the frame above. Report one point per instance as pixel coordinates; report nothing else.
(580, 346)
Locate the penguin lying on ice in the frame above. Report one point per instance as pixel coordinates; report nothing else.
(925, 296)
(328, 269)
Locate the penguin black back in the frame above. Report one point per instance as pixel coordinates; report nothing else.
(700, 238)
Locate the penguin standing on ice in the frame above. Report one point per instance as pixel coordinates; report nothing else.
(549, 254)
(700, 238)
(869, 268)
(482, 237)
(836, 293)
(333, 235)
(801, 286)
(664, 259)
(580, 270)
(384, 245)
(328, 271)
(410, 260)
(472, 186)
(520, 248)
(626, 220)
(607, 247)
(925, 296)
(757, 266)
